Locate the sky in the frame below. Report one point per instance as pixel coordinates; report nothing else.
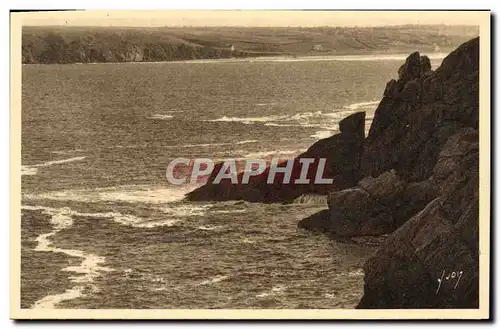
(248, 18)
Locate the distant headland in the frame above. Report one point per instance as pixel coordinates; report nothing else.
(66, 44)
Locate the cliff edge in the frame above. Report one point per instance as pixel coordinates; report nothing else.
(420, 163)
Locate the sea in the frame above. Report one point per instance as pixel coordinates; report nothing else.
(101, 227)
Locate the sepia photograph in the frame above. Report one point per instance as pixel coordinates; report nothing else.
(250, 164)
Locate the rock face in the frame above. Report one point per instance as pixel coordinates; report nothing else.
(420, 164)
(375, 206)
(342, 153)
(432, 260)
(439, 242)
(420, 111)
(416, 176)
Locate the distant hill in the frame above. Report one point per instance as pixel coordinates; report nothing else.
(61, 44)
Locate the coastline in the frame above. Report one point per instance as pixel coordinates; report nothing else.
(348, 56)
(415, 177)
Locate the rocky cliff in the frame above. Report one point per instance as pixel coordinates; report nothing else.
(415, 176)
(420, 169)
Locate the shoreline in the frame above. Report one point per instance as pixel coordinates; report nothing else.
(376, 56)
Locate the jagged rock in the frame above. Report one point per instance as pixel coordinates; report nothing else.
(425, 65)
(375, 206)
(415, 197)
(411, 68)
(390, 88)
(419, 112)
(317, 222)
(386, 188)
(354, 212)
(439, 240)
(423, 149)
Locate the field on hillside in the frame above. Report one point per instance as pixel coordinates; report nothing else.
(61, 44)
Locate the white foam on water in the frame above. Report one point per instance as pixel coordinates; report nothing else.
(305, 115)
(89, 267)
(186, 210)
(265, 104)
(355, 273)
(28, 170)
(235, 211)
(321, 134)
(246, 141)
(213, 280)
(249, 120)
(356, 106)
(208, 228)
(272, 124)
(50, 163)
(331, 127)
(274, 291)
(264, 154)
(161, 117)
(33, 169)
(129, 194)
(211, 144)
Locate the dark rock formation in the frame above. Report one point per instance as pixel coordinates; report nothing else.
(342, 153)
(376, 206)
(317, 222)
(440, 242)
(420, 111)
(421, 167)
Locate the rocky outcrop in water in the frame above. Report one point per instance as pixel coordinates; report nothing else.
(421, 169)
(341, 151)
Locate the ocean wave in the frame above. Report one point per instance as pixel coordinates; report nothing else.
(274, 291)
(265, 154)
(326, 120)
(33, 169)
(129, 194)
(161, 117)
(90, 265)
(248, 241)
(186, 210)
(65, 215)
(213, 280)
(249, 120)
(266, 104)
(273, 124)
(212, 144)
(356, 106)
(321, 134)
(208, 228)
(235, 211)
(354, 273)
(28, 170)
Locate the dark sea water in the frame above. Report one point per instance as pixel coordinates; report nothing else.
(102, 228)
